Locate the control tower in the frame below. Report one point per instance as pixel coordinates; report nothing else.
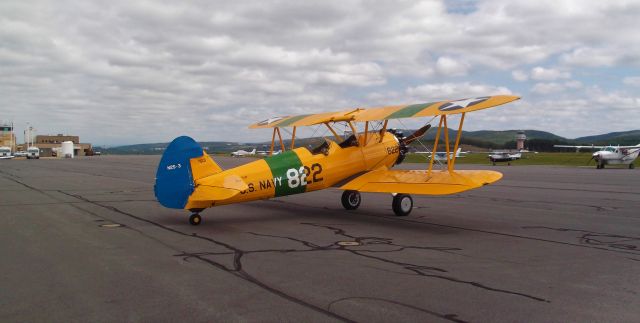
(520, 138)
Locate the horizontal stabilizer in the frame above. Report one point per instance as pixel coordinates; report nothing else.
(420, 182)
(213, 193)
(207, 191)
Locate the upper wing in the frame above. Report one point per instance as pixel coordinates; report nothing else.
(420, 182)
(389, 112)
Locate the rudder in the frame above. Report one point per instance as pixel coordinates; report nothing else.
(178, 170)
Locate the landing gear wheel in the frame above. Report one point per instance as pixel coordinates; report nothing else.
(509, 164)
(632, 166)
(351, 200)
(195, 219)
(402, 204)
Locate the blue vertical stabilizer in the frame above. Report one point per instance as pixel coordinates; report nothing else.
(174, 182)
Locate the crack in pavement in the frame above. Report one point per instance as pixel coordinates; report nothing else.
(448, 317)
(419, 270)
(237, 269)
(398, 219)
(592, 238)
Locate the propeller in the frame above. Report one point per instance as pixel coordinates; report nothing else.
(405, 141)
(419, 133)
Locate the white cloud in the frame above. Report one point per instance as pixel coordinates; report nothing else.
(449, 91)
(555, 87)
(519, 75)
(448, 66)
(548, 74)
(547, 88)
(632, 80)
(132, 67)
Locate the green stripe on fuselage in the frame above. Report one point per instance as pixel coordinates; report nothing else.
(280, 165)
(291, 120)
(409, 110)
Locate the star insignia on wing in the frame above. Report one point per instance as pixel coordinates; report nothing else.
(461, 104)
(270, 121)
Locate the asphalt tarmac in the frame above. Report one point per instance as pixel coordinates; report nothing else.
(85, 240)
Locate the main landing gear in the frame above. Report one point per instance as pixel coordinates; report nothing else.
(402, 203)
(195, 218)
(351, 200)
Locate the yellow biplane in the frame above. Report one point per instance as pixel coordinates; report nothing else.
(188, 178)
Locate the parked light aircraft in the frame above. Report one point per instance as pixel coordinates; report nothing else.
(503, 156)
(5, 153)
(268, 153)
(441, 156)
(188, 178)
(610, 155)
(242, 153)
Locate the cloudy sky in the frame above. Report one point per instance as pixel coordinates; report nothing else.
(121, 72)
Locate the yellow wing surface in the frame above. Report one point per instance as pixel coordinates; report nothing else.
(421, 182)
(389, 112)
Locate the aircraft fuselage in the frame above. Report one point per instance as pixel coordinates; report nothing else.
(299, 170)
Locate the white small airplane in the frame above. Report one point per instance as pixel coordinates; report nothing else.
(503, 156)
(267, 152)
(441, 156)
(243, 153)
(611, 155)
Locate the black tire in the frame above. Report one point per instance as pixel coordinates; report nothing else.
(195, 219)
(402, 204)
(351, 200)
(632, 166)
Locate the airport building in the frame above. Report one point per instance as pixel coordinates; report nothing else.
(7, 137)
(49, 144)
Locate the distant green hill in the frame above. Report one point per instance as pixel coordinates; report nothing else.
(502, 137)
(613, 138)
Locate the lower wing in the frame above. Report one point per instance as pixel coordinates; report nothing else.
(421, 182)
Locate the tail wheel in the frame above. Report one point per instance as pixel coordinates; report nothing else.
(402, 204)
(195, 219)
(351, 200)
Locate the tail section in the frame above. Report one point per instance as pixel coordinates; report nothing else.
(182, 163)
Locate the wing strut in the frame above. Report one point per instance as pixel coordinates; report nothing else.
(273, 140)
(451, 160)
(446, 140)
(384, 128)
(455, 148)
(293, 137)
(435, 147)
